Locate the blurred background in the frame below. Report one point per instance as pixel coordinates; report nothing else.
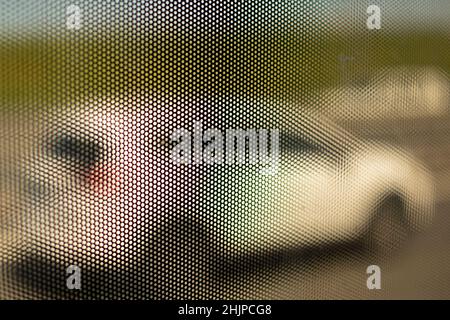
(389, 86)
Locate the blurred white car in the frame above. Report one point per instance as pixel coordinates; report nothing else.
(94, 175)
(391, 93)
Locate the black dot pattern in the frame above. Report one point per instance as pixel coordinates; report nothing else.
(87, 177)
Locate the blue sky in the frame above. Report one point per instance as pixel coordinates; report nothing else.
(28, 16)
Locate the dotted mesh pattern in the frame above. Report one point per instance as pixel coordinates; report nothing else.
(88, 112)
